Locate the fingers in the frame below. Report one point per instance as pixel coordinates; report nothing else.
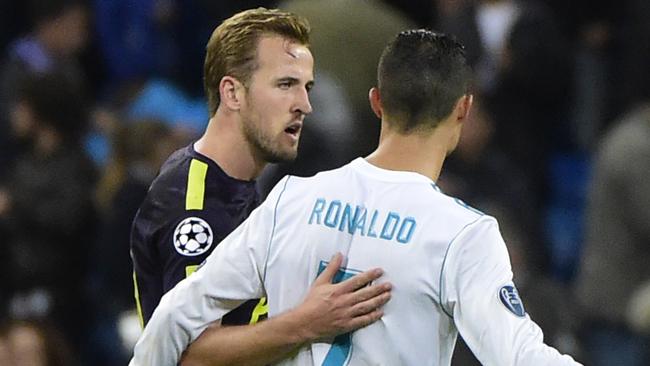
(360, 280)
(330, 271)
(370, 292)
(365, 320)
(371, 304)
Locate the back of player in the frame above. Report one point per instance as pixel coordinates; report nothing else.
(434, 249)
(398, 221)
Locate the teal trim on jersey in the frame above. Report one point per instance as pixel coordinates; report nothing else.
(459, 201)
(341, 351)
(275, 214)
(444, 261)
(465, 205)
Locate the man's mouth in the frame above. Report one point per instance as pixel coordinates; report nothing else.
(293, 129)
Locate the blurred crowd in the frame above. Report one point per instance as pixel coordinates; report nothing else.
(94, 95)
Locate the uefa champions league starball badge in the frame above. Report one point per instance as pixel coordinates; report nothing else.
(193, 236)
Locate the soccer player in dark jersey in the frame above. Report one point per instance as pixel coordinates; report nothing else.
(258, 73)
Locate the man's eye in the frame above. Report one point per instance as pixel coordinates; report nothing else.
(285, 85)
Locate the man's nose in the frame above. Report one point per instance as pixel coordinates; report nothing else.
(303, 105)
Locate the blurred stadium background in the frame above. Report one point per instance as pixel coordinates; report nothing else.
(95, 94)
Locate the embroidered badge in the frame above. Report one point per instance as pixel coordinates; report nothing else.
(509, 297)
(193, 236)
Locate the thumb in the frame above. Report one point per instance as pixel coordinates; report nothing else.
(330, 271)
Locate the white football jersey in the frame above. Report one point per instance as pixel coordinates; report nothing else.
(447, 262)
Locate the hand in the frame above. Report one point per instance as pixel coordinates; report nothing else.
(332, 309)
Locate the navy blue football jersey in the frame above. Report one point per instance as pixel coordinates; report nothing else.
(189, 208)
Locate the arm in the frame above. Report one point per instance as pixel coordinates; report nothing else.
(232, 274)
(479, 294)
(327, 310)
(146, 283)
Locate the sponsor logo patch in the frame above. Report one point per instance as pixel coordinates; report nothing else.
(509, 297)
(192, 237)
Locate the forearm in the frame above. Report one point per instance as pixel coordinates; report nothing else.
(328, 310)
(257, 344)
(184, 313)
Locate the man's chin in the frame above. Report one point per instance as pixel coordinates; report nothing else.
(277, 157)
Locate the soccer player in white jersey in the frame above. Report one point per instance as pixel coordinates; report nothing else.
(447, 262)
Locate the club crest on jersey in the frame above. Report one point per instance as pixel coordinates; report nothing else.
(192, 237)
(509, 297)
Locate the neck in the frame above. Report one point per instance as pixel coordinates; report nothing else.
(419, 153)
(224, 143)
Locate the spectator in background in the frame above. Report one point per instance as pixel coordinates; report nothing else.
(48, 211)
(617, 248)
(590, 24)
(160, 38)
(634, 55)
(33, 343)
(58, 33)
(135, 38)
(529, 100)
(194, 22)
(484, 26)
(5, 351)
(521, 65)
(152, 49)
(139, 149)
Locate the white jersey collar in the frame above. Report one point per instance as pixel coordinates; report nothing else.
(363, 166)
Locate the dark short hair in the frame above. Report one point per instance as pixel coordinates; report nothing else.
(421, 75)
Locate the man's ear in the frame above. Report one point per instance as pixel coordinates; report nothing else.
(231, 92)
(375, 102)
(463, 106)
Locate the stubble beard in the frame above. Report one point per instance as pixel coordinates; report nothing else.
(263, 145)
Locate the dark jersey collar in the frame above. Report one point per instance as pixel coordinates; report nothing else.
(221, 184)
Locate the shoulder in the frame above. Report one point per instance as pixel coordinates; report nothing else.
(182, 171)
(292, 184)
(177, 164)
(165, 201)
(453, 208)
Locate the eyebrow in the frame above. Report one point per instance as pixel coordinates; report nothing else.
(291, 53)
(293, 80)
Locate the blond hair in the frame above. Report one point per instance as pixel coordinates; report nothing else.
(232, 48)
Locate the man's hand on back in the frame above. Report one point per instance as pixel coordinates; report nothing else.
(331, 309)
(328, 310)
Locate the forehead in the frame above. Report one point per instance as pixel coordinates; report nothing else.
(281, 57)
